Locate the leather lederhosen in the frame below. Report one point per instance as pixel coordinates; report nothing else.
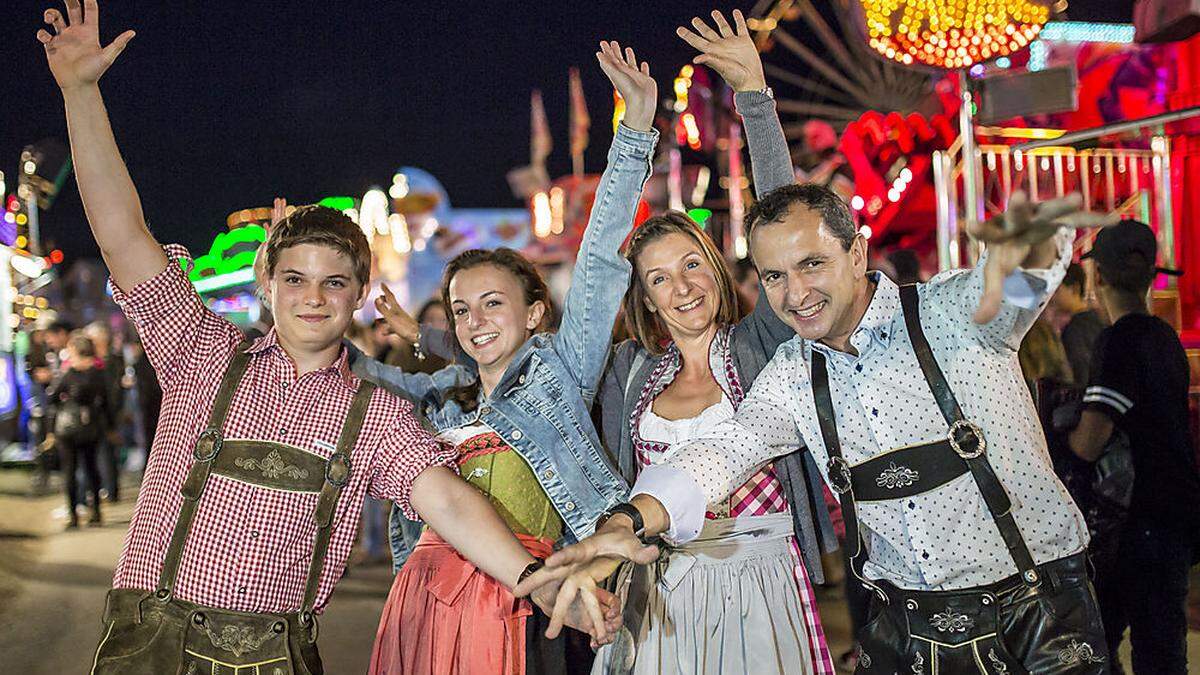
(156, 633)
(1044, 619)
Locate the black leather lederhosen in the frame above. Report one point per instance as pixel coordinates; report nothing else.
(156, 633)
(1044, 619)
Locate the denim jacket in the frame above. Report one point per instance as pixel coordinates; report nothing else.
(541, 406)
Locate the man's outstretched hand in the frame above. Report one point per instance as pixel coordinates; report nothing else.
(729, 50)
(73, 49)
(1019, 237)
(580, 567)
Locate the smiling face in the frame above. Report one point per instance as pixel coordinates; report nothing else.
(812, 282)
(681, 287)
(491, 316)
(313, 294)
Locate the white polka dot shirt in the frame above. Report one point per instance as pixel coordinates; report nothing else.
(940, 540)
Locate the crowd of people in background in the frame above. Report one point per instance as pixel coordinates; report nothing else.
(527, 454)
(96, 402)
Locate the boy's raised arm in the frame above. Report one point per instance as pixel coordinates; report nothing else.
(109, 197)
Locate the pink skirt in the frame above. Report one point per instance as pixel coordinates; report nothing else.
(445, 617)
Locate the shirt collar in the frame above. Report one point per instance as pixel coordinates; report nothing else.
(875, 327)
(340, 368)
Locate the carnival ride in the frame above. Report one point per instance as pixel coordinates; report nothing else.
(936, 62)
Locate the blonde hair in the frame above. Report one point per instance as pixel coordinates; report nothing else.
(644, 325)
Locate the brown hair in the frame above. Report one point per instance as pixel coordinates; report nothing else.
(644, 325)
(509, 261)
(322, 226)
(82, 344)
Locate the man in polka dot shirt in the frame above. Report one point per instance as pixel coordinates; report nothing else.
(912, 402)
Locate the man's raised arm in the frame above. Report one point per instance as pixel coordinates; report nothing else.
(109, 197)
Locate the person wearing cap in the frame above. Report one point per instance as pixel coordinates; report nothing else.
(1139, 385)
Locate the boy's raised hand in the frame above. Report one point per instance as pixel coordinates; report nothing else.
(73, 50)
(633, 82)
(729, 50)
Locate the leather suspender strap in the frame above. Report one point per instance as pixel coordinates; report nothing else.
(967, 440)
(337, 474)
(838, 469)
(208, 445)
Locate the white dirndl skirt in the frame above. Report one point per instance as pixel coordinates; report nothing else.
(726, 603)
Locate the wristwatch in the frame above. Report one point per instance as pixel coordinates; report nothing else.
(639, 525)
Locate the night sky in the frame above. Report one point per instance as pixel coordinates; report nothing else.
(221, 105)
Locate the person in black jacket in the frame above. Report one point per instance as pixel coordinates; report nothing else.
(1139, 384)
(80, 421)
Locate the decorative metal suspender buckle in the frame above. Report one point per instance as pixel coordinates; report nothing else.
(839, 475)
(337, 469)
(208, 445)
(966, 438)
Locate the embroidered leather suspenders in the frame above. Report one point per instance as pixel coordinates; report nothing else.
(156, 632)
(915, 470)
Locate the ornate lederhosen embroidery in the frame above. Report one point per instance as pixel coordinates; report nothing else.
(918, 666)
(1000, 666)
(271, 466)
(1078, 652)
(237, 640)
(897, 477)
(950, 621)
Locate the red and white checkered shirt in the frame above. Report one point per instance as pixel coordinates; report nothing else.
(249, 547)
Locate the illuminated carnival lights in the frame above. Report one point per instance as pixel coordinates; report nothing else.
(951, 33)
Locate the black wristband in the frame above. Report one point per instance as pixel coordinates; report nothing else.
(639, 525)
(530, 569)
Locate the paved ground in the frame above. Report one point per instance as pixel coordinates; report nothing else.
(52, 586)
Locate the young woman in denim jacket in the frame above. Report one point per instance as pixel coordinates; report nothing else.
(524, 424)
(738, 599)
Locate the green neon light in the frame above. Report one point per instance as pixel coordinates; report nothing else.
(339, 203)
(221, 281)
(701, 216)
(215, 261)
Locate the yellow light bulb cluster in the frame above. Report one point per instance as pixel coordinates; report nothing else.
(951, 33)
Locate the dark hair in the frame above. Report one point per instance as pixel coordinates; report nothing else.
(778, 203)
(509, 261)
(644, 325)
(430, 304)
(906, 265)
(1132, 276)
(59, 326)
(322, 226)
(1075, 278)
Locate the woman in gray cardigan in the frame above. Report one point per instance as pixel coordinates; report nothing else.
(735, 600)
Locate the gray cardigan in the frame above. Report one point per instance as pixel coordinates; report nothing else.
(753, 344)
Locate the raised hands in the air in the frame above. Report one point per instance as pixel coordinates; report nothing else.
(73, 48)
(633, 82)
(1015, 236)
(729, 50)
